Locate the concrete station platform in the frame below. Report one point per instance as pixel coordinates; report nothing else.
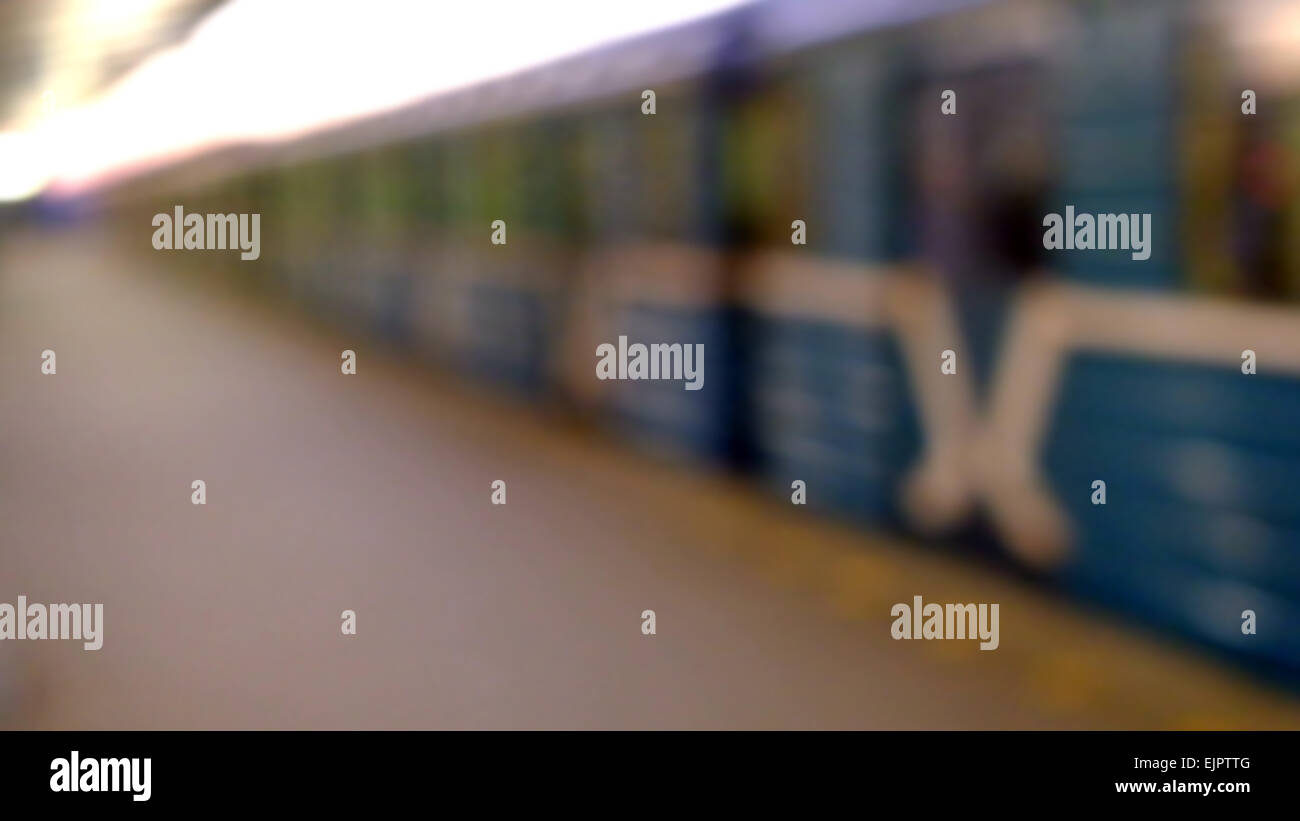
(371, 493)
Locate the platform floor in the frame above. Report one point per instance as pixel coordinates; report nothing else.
(371, 493)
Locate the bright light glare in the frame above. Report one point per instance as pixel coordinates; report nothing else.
(24, 166)
(264, 71)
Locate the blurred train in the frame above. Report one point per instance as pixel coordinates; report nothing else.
(923, 235)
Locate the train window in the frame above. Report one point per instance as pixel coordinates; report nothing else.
(423, 161)
(1241, 172)
(982, 182)
(611, 179)
(670, 149)
(1262, 193)
(463, 189)
(767, 156)
(546, 171)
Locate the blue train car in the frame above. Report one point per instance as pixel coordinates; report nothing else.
(1200, 523)
(661, 294)
(655, 271)
(1197, 455)
(1170, 458)
(831, 401)
(1117, 88)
